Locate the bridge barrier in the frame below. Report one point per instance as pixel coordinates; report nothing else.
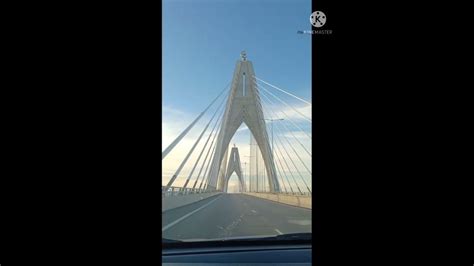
(295, 200)
(171, 202)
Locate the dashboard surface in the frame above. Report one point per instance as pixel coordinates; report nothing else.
(239, 255)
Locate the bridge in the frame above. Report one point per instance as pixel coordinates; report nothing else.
(274, 193)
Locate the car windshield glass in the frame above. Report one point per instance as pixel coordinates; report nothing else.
(236, 119)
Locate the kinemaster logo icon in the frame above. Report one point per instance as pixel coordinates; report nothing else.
(318, 19)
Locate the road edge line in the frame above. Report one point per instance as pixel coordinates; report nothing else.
(187, 215)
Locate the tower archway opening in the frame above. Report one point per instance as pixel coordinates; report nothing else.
(233, 184)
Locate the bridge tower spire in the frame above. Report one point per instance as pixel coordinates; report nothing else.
(234, 166)
(243, 106)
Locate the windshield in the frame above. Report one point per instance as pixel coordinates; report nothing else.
(236, 117)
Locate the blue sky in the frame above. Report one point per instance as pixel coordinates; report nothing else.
(202, 40)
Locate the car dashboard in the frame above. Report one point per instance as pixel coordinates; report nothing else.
(262, 254)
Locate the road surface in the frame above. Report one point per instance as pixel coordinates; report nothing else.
(234, 215)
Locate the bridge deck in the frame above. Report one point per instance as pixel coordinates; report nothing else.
(234, 215)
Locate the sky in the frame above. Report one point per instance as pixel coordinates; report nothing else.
(202, 40)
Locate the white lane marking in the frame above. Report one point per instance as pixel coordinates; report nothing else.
(278, 231)
(187, 215)
(254, 211)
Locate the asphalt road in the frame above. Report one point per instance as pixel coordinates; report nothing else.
(234, 215)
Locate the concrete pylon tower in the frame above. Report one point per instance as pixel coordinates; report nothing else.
(223, 170)
(234, 166)
(243, 106)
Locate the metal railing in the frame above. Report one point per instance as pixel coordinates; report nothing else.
(284, 193)
(179, 191)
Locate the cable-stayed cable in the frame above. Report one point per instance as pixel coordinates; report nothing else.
(293, 149)
(291, 132)
(181, 136)
(282, 171)
(291, 173)
(202, 151)
(281, 177)
(287, 117)
(294, 96)
(278, 98)
(211, 147)
(173, 178)
(279, 156)
(294, 165)
(204, 179)
(278, 127)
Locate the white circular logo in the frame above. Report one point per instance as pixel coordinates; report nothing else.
(318, 19)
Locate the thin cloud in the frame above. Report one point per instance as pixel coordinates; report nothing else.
(176, 120)
(285, 112)
(243, 127)
(301, 135)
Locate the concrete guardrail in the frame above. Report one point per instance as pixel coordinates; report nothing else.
(181, 200)
(295, 200)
